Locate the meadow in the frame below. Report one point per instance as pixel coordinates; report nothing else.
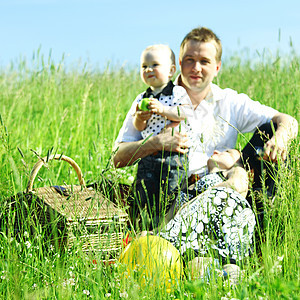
(48, 108)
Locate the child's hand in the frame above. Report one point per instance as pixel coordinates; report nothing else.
(142, 115)
(156, 107)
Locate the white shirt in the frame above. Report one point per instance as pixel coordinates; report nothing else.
(215, 123)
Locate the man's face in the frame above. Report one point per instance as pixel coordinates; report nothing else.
(198, 65)
(156, 67)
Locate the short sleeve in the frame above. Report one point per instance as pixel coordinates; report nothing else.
(250, 114)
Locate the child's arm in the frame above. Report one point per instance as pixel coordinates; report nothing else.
(172, 113)
(140, 119)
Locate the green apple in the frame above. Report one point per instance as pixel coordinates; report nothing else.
(143, 105)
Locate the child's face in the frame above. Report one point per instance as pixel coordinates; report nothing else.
(156, 67)
(223, 160)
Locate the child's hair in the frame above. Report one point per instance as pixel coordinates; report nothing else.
(162, 46)
(202, 34)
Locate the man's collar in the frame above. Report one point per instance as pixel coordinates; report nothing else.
(177, 80)
(215, 93)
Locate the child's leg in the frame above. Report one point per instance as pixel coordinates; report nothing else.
(175, 171)
(159, 178)
(148, 187)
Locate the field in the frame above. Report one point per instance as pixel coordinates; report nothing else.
(47, 108)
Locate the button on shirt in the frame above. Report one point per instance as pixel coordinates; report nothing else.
(215, 124)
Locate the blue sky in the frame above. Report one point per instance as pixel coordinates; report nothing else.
(117, 30)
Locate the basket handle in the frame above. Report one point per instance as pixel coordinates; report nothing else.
(43, 160)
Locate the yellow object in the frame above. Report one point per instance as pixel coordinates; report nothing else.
(154, 259)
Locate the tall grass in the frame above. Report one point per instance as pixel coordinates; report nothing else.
(46, 107)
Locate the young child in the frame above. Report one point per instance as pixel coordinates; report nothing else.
(166, 100)
(224, 169)
(163, 171)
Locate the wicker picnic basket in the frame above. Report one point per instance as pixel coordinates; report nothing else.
(69, 215)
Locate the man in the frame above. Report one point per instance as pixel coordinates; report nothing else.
(217, 114)
(217, 117)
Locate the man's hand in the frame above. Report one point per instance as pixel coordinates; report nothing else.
(172, 140)
(169, 139)
(275, 148)
(287, 129)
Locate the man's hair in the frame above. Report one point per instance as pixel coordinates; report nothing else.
(162, 46)
(202, 34)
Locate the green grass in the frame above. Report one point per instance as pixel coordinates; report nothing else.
(47, 108)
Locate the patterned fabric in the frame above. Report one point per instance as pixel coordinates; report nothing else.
(219, 219)
(170, 96)
(208, 181)
(200, 186)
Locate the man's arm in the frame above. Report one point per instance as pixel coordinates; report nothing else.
(287, 130)
(169, 140)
